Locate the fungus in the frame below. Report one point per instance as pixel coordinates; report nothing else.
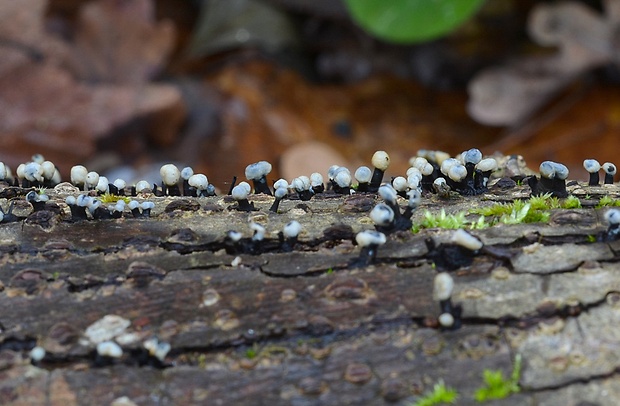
(443, 286)
(134, 206)
(289, 234)
(612, 216)
(4, 172)
(37, 354)
(118, 187)
(117, 209)
(342, 181)
(197, 185)
(466, 240)
(484, 168)
(8, 216)
(186, 174)
(32, 175)
(592, 167)
(240, 194)
(440, 186)
(279, 194)
(109, 349)
(78, 176)
(157, 349)
(170, 176)
(102, 186)
(92, 179)
(362, 175)
(552, 180)
(98, 211)
(78, 212)
(302, 187)
(143, 187)
(37, 200)
(401, 186)
(383, 217)
(381, 161)
(316, 183)
(610, 172)
(48, 170)
(257, 173)
(369, 241)
(146, 208)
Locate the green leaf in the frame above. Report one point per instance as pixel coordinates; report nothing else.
(408, 21)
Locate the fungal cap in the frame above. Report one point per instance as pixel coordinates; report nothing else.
(363, 174)
(609, 168)
(561, 171)
(257, 170)
(343, 179)
(380, 160)
(387, 193)
(443, 285)
(199, 181)
(414, 180)
(457, 173)
(234, 235)
(418, 162)
(301, 183)
(120, 184)
(259, 231)
(147, 205)
(170, 174)
(48, 169)
(20, 171)
(134, 204)
(316, 179)
(446, 320)
(439, 182)
(103, 184)
(440, 156)
(33, 172)
(279, 193)
(94, 205)
(78, 174)
(415, 198)
(472, 156)
(591, 165)
(447, 164)
(466, 240)
(38, 158)
(83, 200)
(92, 178)
(37, 353)
(239, 192)
(400, 184)
(487, 165)
(119, 206)
(3, 171)
(547, 169)
(370, 237)
(382, 214)
(142, 186)
(280, 184)
(332, 171)
(109, 349)
(70, 200)
(291, 229)
(187, 173)
(413, 171)
(56, 178)
(612, 216)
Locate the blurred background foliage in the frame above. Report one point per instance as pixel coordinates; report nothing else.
(123, 85)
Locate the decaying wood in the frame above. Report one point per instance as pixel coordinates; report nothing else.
(304, 327)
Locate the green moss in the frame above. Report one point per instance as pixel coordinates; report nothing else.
(571, 202)
(496, 387)
(441, 395)
(110, 198)
(607, 201)
(448, 221)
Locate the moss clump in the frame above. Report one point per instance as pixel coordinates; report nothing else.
(496, 387)
(448, 221)
(607, 201)
(110, 198)
(441, 395)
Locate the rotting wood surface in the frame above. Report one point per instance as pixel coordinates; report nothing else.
(302, 327)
